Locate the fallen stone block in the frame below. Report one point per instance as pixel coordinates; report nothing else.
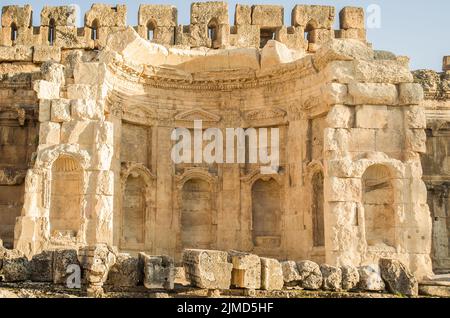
(159, 272)
(96, 260)
(207, 269)
(271, 274)
(246, 271)
(15, 267)
(398, 278)
(331, 277)
(350, 277)
(291, 276)
(41, 267)
(310, 275)
(370, 278)
(62, 259)
(125, 272)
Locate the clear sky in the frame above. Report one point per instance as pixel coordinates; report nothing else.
(419, 29)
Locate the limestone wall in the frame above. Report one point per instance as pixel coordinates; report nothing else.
(210, 26)
(435, 160)
(348, 190)
(18, 141)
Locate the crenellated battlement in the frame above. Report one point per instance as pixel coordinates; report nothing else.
(253, 26)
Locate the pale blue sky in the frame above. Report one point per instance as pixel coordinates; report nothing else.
(417, 28)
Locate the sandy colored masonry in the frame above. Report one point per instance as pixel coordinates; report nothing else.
(86, 116)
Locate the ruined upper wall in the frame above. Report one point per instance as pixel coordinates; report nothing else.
(209, 27)
(436, 85)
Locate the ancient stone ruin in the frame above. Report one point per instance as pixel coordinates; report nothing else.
(86, 123)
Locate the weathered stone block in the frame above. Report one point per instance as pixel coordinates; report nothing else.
(44, 53)
(20, 15)
(60, 15)
(243, 14)
(334, 93)
(275, 53)
(87, 109)
(46, 90)
(416, 140)
(17, 53)
(416, 117)
(271, 274)
(98, 182)
(246, 270)
(320, 36)
(60, 110)
(204, 12)
(291, 275)
(96, 260)
(410, 94)
(332, 277)
(159, 272)
(62, 259)
(93, 73)
(323, 16)
(340, 117)
(15, 266)
(342, 50)
(382, 71)
(342, 189)
(207, 269)
(163, 15)
(267, 16)
(398, 278)
(41, 267)
(310, 275)
(373, 94)
(352, 18)
(370, 278)
(126, 272)
(106, 15)
(350, 277)
(358, 34)
(375, 117)
(49, 133)
(53, 72)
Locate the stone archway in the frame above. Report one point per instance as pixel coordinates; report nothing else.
(65, 215)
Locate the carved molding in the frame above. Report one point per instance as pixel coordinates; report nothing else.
(197, 114)
(250, 178)
(161, 77)
(197, 173)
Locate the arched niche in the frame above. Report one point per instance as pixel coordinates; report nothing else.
(66, 191)
(137, 212)
(378, 200)
(266, 213)
(196, 203)
(262, 201)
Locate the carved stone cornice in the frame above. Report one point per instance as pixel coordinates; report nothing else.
(163, 77)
